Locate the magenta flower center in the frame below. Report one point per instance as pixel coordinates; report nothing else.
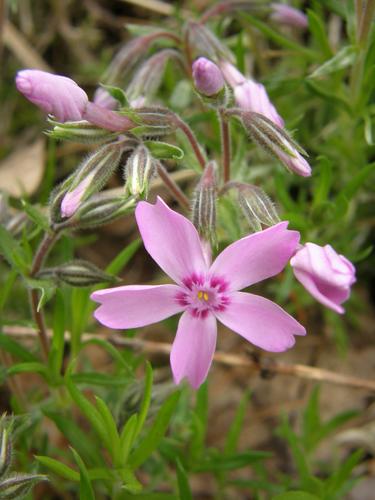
(203, 294)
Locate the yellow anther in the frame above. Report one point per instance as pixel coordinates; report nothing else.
(205, 296)
(200, 295)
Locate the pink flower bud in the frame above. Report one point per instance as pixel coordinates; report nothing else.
(106, 118)
(326, 275)
(231, 74)
(284, 14)
(208, 78)
(252, 96)
(72, 199)
(296, 163)
(54, 94)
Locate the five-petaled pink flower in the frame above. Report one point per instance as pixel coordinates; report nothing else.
(204, 292)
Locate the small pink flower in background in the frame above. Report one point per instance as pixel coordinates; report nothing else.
(54, 94)
(104, 99)
(208, 79)
(325, 274)
(249, 94)
(284, 14)
(296, 163)
(204, 292)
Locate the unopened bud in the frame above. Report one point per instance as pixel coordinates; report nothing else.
(19, 485)
(5, 448)
(208, 79)
(82, 131)
(256, 206)
(152, 121)
(102, 209)
(147, 79)
(104, 99)
(231, 74)
(76, 273)
(54, 94)
(204, 204)
(139, 169)
(92, 176)
(284, 14)
(106, 118)
(277, 142)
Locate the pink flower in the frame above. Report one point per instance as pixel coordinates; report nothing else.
(249, 94)
(104, 99)
(284, 14)
(204, 292)
(208, 79)
(252, 96)
(54, 94)
(325, 274)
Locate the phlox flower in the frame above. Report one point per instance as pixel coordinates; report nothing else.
(204, 292)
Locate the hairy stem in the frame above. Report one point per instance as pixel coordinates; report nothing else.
(192, 139)
(44, 247)
(173, 187)
(225, 145)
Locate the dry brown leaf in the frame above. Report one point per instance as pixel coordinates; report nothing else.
(21, 172)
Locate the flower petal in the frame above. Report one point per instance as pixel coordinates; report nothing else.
(135, 306)
(256, 257)
(193, 348)
(170, 239)
(261, 322)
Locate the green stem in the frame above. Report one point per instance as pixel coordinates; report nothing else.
(173, 187)
(191, 138)
(225, 145)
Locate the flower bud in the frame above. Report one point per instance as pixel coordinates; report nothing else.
(253, 96)
(92, 176)
(5, 448)
(277, 142)
(139, 169)
(284, 14)
(326, 275)
(147, 79)
(208, 79)
(231, 74)
(107, 119)
(102, 208)
(256, 206)
(54, 94)
(18, 485)
(206, 43)
(204, 204)
(82, 132)
(76, 273)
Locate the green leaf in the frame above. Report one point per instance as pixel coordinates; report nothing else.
(146, 399)
(16, 349)
(331, 97)
(87, 448)
(117, 94)
(155, 434)
(296, 495)
(113, 352)
(311, 420)
(356, 183)
(127, 437)
(113, 435)
(183, 483)
(237, 425)
(286, 432)
(12, 251)
(85, 489)
(36, 215)
(338, 479)
(231, 462)
(324, 176)
(88, 409)
(100, 379)
(58, 468)
(344, 58)
(120, 261)
(279, 39)
(29, 367)
(164, 151)
(319, 33)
